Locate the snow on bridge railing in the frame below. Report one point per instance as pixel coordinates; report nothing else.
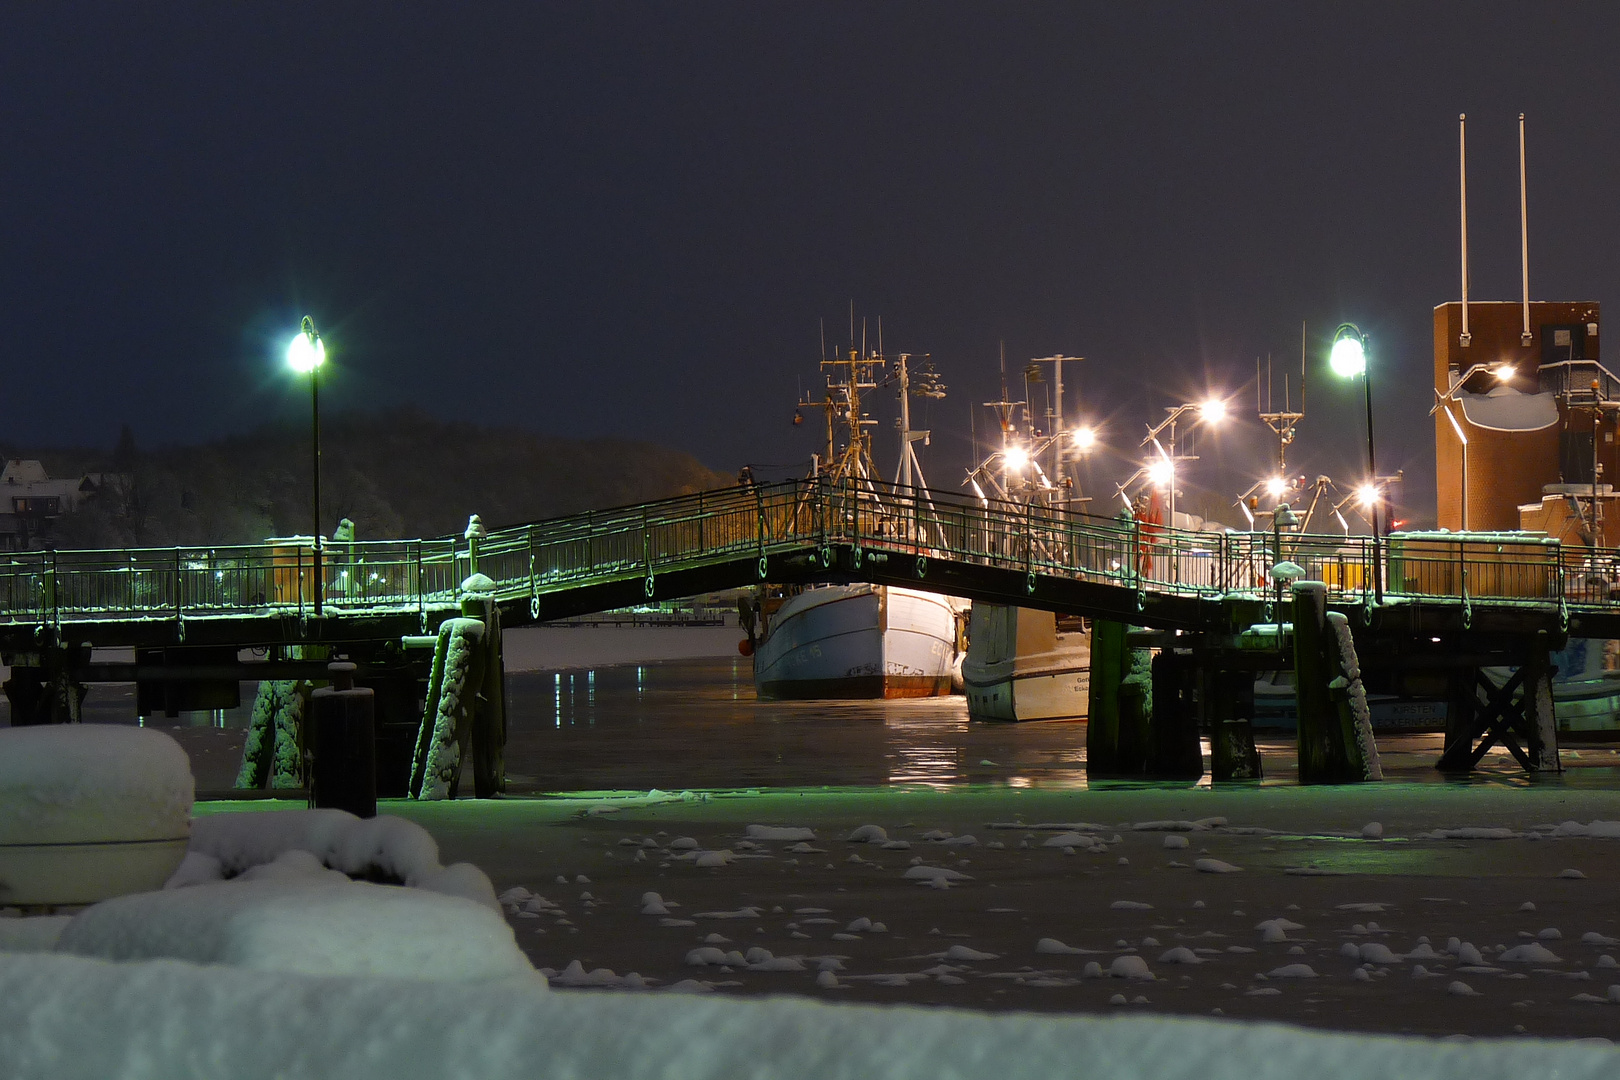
(751, 521)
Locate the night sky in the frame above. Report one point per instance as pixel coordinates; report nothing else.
(630, 219)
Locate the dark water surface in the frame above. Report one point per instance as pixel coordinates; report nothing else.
(696, 724)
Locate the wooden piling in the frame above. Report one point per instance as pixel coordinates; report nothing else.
(1109, 660)
(1173, 750)
(489, 719)
(1330, 751)
(1229, 710)
(460, 673)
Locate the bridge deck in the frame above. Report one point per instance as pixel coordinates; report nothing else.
(800, 531)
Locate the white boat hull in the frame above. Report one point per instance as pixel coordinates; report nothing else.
(1018, 667)
(858, 641)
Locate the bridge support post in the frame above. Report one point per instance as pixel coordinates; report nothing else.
(1173, 750)
(1109, 664)
(1335, 730)
(47, 691)
(1120, 703)
(489, 716)
(1519, 711)
(1229, 708)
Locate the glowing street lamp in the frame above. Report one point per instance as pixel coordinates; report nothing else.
(305, 355)
(1162, 472)
(1348, 358)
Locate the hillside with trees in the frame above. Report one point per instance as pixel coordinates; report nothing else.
(394, 474)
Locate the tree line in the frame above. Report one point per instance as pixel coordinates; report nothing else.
(394, 474)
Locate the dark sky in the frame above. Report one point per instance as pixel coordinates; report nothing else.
(629, 219)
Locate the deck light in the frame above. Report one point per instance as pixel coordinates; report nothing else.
(1016, 458)
(1084, 439)
(1212, 411)
(1348, 358)
(306, 351)
(305, 355)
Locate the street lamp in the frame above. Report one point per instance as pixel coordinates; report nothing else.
(1163, 471)
(1348, 358)
(305, 354)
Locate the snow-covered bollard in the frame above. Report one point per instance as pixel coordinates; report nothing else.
(89, 811)
(1335, 731)
(304, 919)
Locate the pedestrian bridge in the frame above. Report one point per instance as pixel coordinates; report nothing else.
(801, 531)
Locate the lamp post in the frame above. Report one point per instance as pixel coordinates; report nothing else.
(306, 353)
(1348, 358)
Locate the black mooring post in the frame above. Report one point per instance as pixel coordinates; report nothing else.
(343, 744)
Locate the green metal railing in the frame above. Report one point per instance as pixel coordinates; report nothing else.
(808, 517)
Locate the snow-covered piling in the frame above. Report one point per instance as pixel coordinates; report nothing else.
(1335, 731)
(447, 720)
(466, 705)
(273, 751)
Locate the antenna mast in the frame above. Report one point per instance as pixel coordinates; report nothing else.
(1464, 339)
(1284, 423)
(1525, 338)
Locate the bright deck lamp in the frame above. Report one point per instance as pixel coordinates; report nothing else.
(1085, 439)
(305, 355)
(1016, 458)
(306, 351)
(1348, 358)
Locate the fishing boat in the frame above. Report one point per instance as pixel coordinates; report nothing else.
(1025, 664)
(859, 640)
(1022, 663)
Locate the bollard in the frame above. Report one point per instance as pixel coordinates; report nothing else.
(344, 774)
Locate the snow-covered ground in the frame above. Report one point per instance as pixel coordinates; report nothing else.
(1128, 932)
(1237, 903)
(69, 1018)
